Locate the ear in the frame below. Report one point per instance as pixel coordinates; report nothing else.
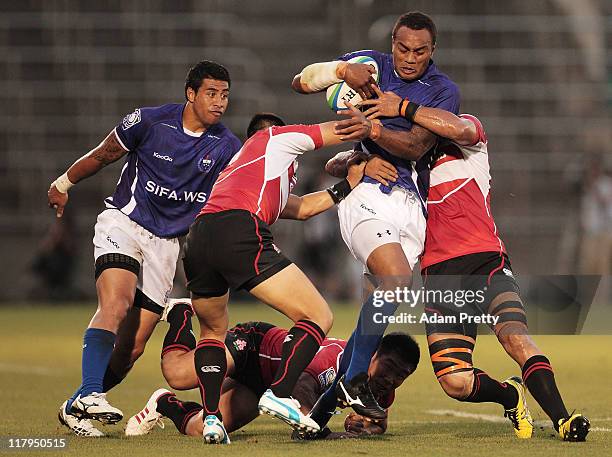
(433, 49)
(191, 94)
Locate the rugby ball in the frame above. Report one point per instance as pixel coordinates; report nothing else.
(341, 92)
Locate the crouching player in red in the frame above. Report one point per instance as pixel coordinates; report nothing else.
(253, 353)
(463, 252)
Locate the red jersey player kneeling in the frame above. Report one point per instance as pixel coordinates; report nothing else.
(253, 352)
(464, 253)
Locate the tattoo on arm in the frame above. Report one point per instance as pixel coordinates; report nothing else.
(109, 151)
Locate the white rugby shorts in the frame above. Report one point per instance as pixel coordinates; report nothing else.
(369, 219)
(117, 233)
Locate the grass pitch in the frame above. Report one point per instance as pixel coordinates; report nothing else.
(40, 351)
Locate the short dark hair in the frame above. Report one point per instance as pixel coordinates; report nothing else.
(416, 20)
(402, 346)
(205, 69)
(262, 121)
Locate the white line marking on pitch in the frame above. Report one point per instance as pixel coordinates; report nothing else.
(498, 419)
(22, 369)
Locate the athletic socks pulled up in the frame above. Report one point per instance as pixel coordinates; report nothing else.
(180, 334)
(211, 367)
(177, 411)
(367, 336)
(539, 378)
(300, 346)
(97, 349)
(487, 389)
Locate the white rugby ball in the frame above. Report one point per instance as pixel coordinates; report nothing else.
(341, 92)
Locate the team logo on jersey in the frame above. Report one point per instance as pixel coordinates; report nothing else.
(131, 119)
(205, 164)
(327, 377)
(240, 344)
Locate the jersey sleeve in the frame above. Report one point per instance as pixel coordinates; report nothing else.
(364, 52)
(447, 98)
(296, 139)
(132, 129)
(482, 136)
(324, 364)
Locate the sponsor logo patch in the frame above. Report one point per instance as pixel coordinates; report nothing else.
(211, 369)
(240, 344)
(327, 377)
(131, 119)
(205, 164)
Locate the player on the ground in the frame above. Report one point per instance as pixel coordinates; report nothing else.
(173, 153)
(463, 251)
(383, 225)
(253, 352)
(251, 194)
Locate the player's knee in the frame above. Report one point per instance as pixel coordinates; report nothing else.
(323, 317)
(177, 379)
(514, 341)
(114, 308)
(395, 281)
(457, 385)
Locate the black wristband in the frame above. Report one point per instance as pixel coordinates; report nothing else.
(411, 110)
(339, 191)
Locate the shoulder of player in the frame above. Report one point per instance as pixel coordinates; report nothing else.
(151, 115)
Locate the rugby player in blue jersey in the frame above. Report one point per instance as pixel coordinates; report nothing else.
(383, 223)
(174, 154)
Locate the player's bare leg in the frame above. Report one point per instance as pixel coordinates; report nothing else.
(461, 381)
(291, 292)
(132, 337)
(116, 288)
(210, 362)
(537, 372)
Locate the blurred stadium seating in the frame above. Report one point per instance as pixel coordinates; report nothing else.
(535, 72)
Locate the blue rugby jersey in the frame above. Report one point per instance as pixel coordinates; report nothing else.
(433, 89)
(168, 173)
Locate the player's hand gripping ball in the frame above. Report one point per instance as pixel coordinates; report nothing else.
(340, 93)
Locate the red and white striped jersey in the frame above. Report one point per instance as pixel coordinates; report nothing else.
(459, 218)
(261, 175)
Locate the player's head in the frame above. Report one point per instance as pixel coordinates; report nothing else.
(413, 42)
(207, 88)
(262, 121)
(395, 359)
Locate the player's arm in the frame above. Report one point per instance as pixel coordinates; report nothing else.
(107, 152)
(317, 77)
(307, 206)
(410, 145)
(441, 122)
(306, 391)
(359, 425)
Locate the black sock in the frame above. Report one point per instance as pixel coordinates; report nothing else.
(177, 411)
(180, 335)
(301, 344)
(539, 378)
(111, 379)
(487, 389)
(210, 366)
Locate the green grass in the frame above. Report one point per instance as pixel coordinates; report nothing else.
(40, 366)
